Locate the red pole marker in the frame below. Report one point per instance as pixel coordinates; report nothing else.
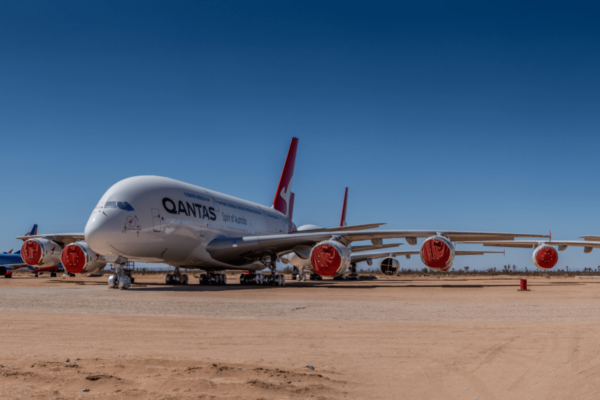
(523, 286)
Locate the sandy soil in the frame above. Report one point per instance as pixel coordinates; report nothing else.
(421, 338)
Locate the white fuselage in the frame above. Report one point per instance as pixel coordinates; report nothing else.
(161, 220)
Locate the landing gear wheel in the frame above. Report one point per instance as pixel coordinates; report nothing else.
(132, 279)
(52, 274)
(203, 279)
(7, 276)
(124, 282)
(224, 279)
(36, 275)
(169, 279)
(184, 279)
(281, 280)
(243, 279)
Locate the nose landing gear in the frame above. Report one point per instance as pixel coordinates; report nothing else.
(120, 279)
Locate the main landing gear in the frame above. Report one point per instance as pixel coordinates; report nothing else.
(315, 277)
(176, 278)
(260, 279)
(211, 278)
(298, 275)
(121, 279)
(353, 276)
(256, 278)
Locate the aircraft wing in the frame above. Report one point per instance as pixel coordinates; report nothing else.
(242, 250)
(356, 249)
(61, 238)
(592, 238)
(356, 258)
(346, 228)
(14, 260)
(532, 244)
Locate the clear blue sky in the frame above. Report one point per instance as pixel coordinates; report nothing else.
(437, 115)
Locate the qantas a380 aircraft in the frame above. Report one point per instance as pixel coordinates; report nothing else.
(160, 220)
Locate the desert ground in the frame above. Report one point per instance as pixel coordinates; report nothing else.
(395, 338)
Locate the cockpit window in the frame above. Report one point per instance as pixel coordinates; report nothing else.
(123, 205)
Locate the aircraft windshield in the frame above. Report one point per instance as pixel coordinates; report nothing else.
(123, 205)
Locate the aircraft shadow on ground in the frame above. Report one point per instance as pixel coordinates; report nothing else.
(161, 287)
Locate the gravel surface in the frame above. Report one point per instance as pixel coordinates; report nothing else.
(100, 300)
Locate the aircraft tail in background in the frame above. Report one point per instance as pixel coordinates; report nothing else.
(344, 207)
(283, 201)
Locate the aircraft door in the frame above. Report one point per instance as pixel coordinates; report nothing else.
(156, 219)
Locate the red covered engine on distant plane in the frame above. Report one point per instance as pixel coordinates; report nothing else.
(545, 257)
(438, 253)
(41, 252)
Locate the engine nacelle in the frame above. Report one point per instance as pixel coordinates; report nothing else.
(79, 258)
(330, 258)
(390, 266)
(545, 257)
(437, 253)
(41, 252)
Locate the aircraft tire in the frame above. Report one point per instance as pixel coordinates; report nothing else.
(184, 279)
(169, 279)
(203, 279)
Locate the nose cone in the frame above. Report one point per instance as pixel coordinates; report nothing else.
(98, 232)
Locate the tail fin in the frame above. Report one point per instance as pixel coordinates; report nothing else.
(343, 219)
(32, 233)
(10, 252)
(283, 197)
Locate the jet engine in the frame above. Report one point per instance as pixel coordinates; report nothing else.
(390, 266)
(437, 253)
(41, 252)
(330, 258)
(545, 257)
(79, 258)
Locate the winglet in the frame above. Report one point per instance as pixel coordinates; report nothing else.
(344, 207)
(282, 201)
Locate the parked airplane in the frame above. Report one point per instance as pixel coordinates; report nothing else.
(389, 266)
(545, 254)
(161, 220)
(10, 262)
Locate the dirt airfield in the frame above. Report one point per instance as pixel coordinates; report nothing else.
(395, 338)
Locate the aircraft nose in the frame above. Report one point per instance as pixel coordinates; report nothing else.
(98, 233)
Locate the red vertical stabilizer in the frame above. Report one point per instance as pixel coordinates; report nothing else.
(283, 196)
(343, 219)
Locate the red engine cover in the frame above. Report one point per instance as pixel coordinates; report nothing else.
(546, 257)
(31, 252)
(435, 254)
(73, 259)
(325, 260)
